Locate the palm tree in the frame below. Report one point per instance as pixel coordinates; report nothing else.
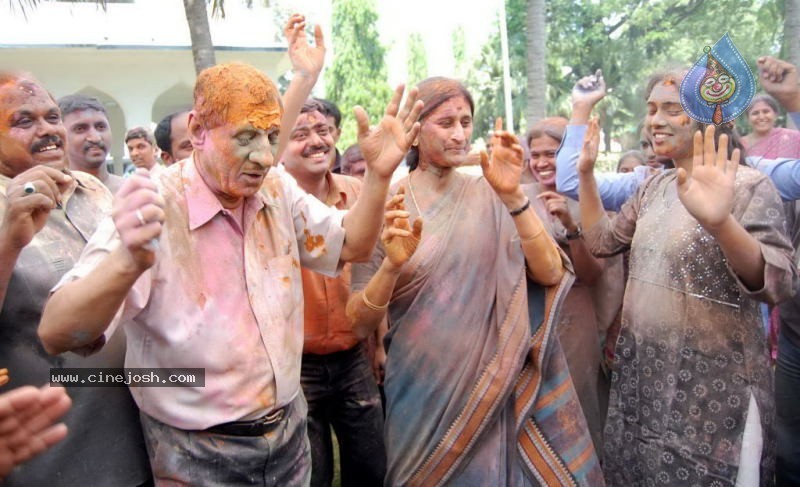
(537, 56)
(200, 32)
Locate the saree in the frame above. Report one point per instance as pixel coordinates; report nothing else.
(778, 144)
(691, 352)
(477, 389)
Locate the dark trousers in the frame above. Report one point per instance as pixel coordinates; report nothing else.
(787, 404)
(341, 393)
(277, 458)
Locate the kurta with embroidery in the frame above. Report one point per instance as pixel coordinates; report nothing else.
(691, 350)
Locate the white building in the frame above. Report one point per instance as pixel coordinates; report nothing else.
(136, 55)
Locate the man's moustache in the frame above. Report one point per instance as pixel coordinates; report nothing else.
(46, 141)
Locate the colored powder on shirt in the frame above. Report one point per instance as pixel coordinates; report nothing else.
(313, 241)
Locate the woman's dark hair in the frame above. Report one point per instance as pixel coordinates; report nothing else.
(766, 99)
(553, 127)
(433, 92)
(674, 78)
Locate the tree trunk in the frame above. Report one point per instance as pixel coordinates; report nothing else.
(536, 105)
(200, 32)
(791, 35)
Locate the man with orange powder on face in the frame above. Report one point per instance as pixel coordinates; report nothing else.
(221, 289)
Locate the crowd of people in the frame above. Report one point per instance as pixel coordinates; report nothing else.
(589, 328)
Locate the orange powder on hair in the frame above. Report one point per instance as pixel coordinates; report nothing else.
(235, 92)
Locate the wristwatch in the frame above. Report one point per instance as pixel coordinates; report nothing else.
(578, 233)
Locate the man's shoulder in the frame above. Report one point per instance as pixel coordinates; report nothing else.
(347, 182)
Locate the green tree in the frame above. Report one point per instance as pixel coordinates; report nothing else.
(417, 60)
(628, 40)
(358, 75)
(459, 40)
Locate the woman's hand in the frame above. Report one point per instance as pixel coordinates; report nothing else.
(708, 192)
(504, 169)
(398, 237)
(556, 205)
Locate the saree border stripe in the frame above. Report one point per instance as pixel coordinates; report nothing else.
(487, 395)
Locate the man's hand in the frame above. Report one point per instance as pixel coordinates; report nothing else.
(27, 415)
(504, 168)
(590, 149)
(30, 196)
(585, 94)
(387, 144)
(780, 79)
(139, 215)
(708, 192)
(306, 60)
(398, 238)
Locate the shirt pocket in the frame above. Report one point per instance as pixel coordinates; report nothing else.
(286, 285)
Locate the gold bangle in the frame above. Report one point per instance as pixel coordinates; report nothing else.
(370, 305)
(532, 237)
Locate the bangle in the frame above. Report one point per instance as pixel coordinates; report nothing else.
(521, 209)
(532, 237)
(370, 305)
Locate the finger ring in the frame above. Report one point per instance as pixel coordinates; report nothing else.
(139, 215)
(29, 188)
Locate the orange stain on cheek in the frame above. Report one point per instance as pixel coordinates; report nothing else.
(685, 120)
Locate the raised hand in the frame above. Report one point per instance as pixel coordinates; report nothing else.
(590, 89)
(386, 144)
(4, 377)
(591, 146)
(306, 60)
(27, 416)
(708, 192)
(504, 168)
(780, 79)
(556, 205)
(29, 198)
(139, 216)
(398, 237)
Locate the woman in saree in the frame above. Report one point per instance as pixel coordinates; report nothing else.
(766, 140)
(477, 389)
(691, 399)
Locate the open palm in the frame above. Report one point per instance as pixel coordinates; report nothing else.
(504, 169)
(386, 144)
(307, 60)
(708, 192)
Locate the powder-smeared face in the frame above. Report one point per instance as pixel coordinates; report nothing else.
(234, 130)
(543, 159)
(717, 87)
(234, 159)
(31, 131)
(646, 144)
(761, 117)
(445, 134)
(306, 154)
(668, 127)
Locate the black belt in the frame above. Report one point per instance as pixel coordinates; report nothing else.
(256, 427)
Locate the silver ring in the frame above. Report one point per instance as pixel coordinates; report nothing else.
(29, 188)
(139, 215)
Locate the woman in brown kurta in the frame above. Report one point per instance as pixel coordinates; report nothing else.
(691, 395)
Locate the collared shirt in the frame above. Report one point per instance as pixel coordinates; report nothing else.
(327, 329)
(616, 188)
(222, 297)
(103, 422)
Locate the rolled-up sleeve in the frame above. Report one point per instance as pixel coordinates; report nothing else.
(318, 229)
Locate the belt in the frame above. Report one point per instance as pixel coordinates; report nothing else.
(256, 427)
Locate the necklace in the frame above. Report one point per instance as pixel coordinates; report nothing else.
(413, 198)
